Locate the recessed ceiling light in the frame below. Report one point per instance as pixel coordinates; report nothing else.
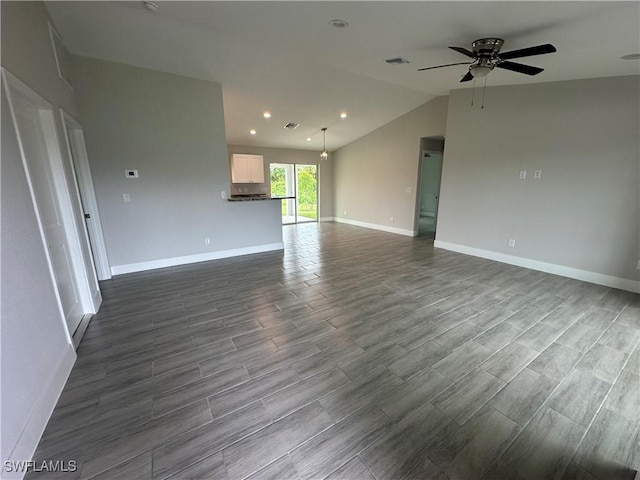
(308, 139)
(339, 23)
(151, 6)
(252, 131)
(266, 115)
(631, 56)
(343, 115)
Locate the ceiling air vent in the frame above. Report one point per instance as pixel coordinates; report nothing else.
(291, 126)
(62, 56)
(397, 60)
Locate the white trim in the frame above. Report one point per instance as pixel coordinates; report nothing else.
(584, 275)
(200, 257)
(97, 299)
(327, 219)
(84, 181)
(33, 429)
(384, 228)
(57, 53)
(12, 84)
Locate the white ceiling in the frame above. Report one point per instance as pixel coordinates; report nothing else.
(285, 58)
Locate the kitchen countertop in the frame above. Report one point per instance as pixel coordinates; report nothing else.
(253, 198)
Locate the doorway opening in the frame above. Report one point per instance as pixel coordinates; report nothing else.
(299, 181)
(430, 173)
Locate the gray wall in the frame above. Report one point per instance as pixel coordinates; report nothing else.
(34, 343)
(171, 129)
(584, 211)
(288, 155)
(371, 174)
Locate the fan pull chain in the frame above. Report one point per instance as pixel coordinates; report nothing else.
(484, 89)
(473, 90)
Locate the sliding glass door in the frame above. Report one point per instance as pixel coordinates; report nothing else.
(307, 196)
(299, 181)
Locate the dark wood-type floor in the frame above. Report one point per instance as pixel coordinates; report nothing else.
(356, 354)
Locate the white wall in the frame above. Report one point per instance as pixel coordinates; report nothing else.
(289, 155)
(171, 129)
(36, 355)
(581, 218)
(371, 174)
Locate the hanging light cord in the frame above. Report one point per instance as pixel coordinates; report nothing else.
(484, 89)
(473, 90)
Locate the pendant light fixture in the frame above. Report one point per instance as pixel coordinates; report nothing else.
(324, 154)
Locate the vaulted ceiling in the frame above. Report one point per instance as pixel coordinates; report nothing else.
(285, 57)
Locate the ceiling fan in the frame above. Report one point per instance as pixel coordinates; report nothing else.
(486, 56)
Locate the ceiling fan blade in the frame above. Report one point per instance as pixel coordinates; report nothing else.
(464, 51)
(467, 78)
(520, 68)
(528, 52)
(447, 65)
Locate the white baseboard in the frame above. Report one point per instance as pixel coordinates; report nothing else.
(327, 219)
(374, 226)
(97, 301)
(584, 275)
(200, 257)
(27, 443)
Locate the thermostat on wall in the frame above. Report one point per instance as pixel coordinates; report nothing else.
(131, 173)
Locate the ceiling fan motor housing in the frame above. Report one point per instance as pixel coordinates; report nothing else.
(487, 47)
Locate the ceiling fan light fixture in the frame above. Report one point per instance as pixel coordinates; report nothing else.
(479, 71)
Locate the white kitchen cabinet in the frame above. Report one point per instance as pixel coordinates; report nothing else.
(247, 168)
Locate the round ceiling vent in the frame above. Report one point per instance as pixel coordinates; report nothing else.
(151, 6)
(339, 23)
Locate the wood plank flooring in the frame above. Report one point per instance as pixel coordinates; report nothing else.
(355, 354)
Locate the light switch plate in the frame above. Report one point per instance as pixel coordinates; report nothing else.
(131, 173)
(523, 174)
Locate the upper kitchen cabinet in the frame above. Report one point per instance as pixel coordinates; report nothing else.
(247, 168)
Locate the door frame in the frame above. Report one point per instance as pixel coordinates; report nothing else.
(295, 173)
(14, 87)
(416, 220)
(81, 172)
(294, 169)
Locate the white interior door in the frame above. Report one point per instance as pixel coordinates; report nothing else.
(31, 131)
(84, 184)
